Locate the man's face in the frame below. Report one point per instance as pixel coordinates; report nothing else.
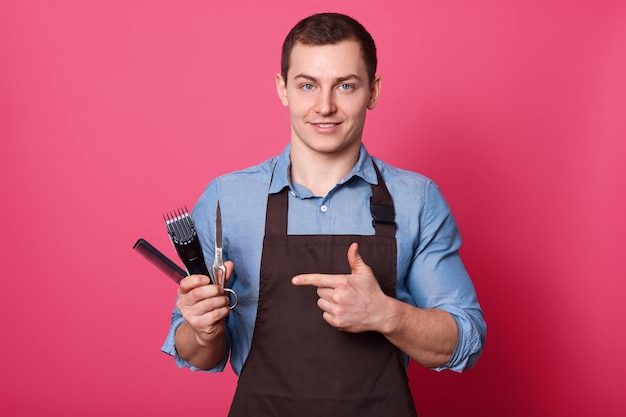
(328, 93)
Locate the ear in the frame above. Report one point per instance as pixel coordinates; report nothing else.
(281, 89)
(374, 92)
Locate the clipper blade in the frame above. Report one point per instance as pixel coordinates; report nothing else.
(180, 226)
(182, 231)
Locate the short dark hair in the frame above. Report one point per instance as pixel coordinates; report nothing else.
(328, 29)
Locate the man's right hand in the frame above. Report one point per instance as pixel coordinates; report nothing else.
(201, 340)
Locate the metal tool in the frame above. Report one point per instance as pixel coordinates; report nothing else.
(218, 262)
(182, 231)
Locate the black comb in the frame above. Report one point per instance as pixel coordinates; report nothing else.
(165, 264)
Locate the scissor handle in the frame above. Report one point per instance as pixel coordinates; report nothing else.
(216, 281)
(233, 297)
(216, 275)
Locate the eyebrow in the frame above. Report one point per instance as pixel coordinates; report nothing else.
(337, 80)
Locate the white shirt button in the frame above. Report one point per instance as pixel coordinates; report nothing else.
(324, 209)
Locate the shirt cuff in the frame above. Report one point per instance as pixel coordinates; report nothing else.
(469, 344)
(169, 347)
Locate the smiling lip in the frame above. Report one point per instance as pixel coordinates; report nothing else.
(325, 126)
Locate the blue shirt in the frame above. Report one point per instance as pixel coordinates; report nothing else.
(430, 271)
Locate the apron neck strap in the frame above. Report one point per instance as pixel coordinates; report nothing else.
(381, 206)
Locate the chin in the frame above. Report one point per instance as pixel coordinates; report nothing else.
(332, 148)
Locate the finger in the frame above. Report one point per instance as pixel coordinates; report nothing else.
(326, 293)
(193, 281)
(207, 319)
(210, 304)
(325, 305)
(199, 293)
(330, 319)
(356, 262)
(202, 300)
(316, 280)
(219, 278)
(230, 267)
(202, 307)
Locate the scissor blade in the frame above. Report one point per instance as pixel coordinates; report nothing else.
(218, 226)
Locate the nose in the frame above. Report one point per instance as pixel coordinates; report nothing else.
(325, 103)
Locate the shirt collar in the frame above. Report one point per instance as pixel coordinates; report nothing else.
(281, 177)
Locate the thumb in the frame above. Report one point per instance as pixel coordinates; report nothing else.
(357, 265)
(230, 267)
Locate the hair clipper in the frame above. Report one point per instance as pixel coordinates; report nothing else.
(182, 231)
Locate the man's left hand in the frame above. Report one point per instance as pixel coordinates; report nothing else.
(351, 302)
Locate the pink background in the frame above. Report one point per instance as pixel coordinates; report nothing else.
(113, 112)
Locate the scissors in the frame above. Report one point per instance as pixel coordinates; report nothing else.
(218, 263)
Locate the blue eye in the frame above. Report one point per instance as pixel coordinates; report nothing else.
(346, 87)
(307, 87)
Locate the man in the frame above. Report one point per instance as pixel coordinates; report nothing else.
(345, 266)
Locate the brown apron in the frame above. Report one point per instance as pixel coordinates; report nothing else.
(298, 364)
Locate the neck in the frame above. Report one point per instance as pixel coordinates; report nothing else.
(320, 173)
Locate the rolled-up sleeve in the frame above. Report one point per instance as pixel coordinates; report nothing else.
(438, 279)
(169, 346)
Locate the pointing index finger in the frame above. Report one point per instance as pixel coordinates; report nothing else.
(315, 280)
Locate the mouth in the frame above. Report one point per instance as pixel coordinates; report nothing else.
(325, 125)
